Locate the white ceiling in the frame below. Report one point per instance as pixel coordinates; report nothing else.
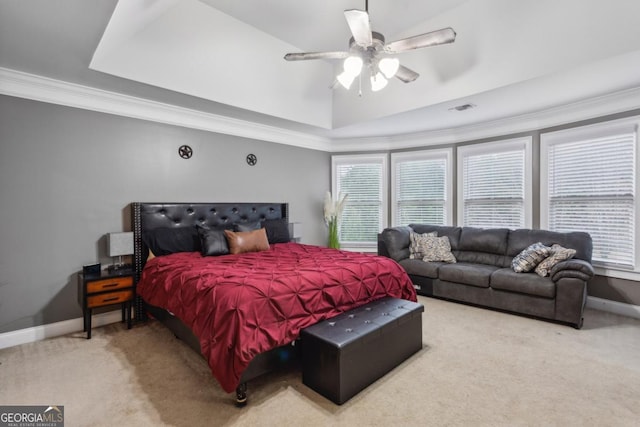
(510, 57)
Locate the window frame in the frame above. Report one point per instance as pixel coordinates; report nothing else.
(509, 144)
(447, 154)
(588, 132)
(369, 158)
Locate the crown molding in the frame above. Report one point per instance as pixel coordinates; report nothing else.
(44, 89)
(616, 102)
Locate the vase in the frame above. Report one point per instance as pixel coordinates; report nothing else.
(334, 240)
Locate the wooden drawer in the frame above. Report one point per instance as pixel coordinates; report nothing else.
(109, 284)
(109, 298)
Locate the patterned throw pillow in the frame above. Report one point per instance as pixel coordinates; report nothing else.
(558, 253)
(529, 258)
(416, 239)
(437, 249)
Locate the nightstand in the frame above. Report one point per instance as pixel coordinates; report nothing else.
(103, 289)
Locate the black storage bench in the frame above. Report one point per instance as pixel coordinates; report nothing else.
(343, 355)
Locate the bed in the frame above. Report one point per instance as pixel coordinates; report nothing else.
(244, 312)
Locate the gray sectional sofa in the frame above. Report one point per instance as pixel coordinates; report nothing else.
(483, 275)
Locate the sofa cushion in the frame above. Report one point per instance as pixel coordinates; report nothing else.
(580, 241)
(418, 243)
(558, 253)
(453, 233)
(469, 274)
(530, 257)
(417, 267)
(396, 240)
(473, 257)
(493, 241)
(483, 246)
(525, 283)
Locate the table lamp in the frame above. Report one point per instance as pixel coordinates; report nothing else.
(119, 244)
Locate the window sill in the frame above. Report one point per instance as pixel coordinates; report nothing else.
(366, 250)
(618, 274)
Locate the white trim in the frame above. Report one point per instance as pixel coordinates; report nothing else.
(350, 159)
(422, 155)
(615, 307)
(50, 330)
(617, 273)
(616, 102)
(38, 88)
(597, 130)
(497, 146)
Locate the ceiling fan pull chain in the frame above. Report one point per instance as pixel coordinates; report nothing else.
(360, 85)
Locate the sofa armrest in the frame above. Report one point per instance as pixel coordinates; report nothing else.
(572, 268)
(396, 242)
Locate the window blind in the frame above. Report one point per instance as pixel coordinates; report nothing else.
(494, 188)
(420, 191)
(591, 187)
(363, 217)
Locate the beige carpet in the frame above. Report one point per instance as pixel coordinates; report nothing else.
(477, 367)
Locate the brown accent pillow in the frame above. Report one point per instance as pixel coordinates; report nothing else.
(247, 241)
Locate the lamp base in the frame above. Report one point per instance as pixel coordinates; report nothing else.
(114, 268)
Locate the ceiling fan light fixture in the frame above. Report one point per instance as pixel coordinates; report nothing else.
(389, 66)
(369, 48)
(378, 82)
(346, 79)
(353, 65)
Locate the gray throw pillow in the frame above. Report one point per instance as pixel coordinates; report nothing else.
(530, 257)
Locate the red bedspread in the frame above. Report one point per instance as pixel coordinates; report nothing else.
(243, 305)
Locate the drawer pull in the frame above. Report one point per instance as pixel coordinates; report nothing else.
(110, 299)
(110, 285)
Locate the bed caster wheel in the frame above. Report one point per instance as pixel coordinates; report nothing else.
(241, 395)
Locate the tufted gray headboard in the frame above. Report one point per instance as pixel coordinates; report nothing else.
(149, 216)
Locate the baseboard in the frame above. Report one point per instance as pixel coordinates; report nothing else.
(615, 307)
(37, 333)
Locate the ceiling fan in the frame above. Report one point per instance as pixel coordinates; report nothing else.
(368, 49)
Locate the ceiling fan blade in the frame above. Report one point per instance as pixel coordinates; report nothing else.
(315, 55)
(406, 75)
(445, 35)
(358, 21)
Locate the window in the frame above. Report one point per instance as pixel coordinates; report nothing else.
(494, 184)
(588, 183)
(421, 190)
(363, 178)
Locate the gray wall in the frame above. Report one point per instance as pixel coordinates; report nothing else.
(67, 177)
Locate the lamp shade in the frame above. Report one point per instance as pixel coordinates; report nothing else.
(295, 230)
(120, 243)
(353, 65)
(378, 82)
(389, 66)
(345, 79)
